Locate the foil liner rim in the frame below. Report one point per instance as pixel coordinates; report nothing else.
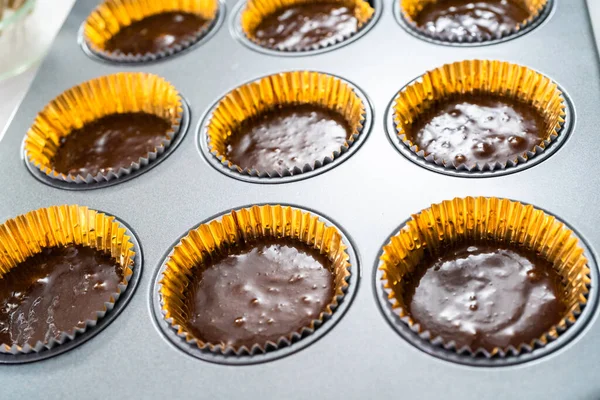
(101, 177)
(570, 318)
(283, 341)
(518, 160)
(296, 171)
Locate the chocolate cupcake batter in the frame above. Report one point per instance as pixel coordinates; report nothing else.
(480, 129)
(54, 292)
(156, 33)
(110, 143)
(303, 26)
(468, 18)
(287, 137)
(486, 296)
(260, 293)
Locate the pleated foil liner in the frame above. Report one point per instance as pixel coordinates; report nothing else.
(283, 89)
(256, 11)
(113, 15)
(481, 220)
(409, 9)
(211, 240)
(26, 236)
(480, 77)
(125, 92)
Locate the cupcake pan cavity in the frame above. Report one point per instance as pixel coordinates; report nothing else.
(257, 11)
(238, 31)
(111, 16)
(368, 195)
(477, 220)
(280, 87)
(288, 345)
(123, 175)
(532, 157)
(80, 336)
(90, 102)
(542, 10)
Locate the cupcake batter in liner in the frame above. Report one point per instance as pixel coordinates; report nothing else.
(285, 124)
(53, 239)
(132, 31)
(470, 21)
(479, 115)
(231, 248)
(303, 25)
(517, 249)
(102, 115)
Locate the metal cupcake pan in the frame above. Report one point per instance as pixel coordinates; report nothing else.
(368, 196)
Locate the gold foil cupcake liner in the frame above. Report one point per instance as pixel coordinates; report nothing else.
(284, 89)
(28, 234)
(194, 252)
(113, 94)
(486, 220)
(257, 10)
(477, 77)
(113, 15)
(409, 10)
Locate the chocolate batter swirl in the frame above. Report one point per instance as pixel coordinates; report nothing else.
(303, 26)
(260, 293)
(156, 33)
(486, 296)
(110, 143)
(287, 137)
(468, 18)
(54, 292)
(478, 129)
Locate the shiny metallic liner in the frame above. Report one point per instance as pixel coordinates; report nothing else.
(481, 220)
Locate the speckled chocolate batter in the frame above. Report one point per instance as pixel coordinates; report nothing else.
(156, 33)
(302, 26)
(110, 143)
(287, 137)
(486, 296)
(478, 129)
(468, 18)
(55, 291)
(260, 293)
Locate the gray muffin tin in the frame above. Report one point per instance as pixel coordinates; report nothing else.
(369, 195)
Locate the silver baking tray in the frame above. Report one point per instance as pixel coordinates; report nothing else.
(368, 195)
